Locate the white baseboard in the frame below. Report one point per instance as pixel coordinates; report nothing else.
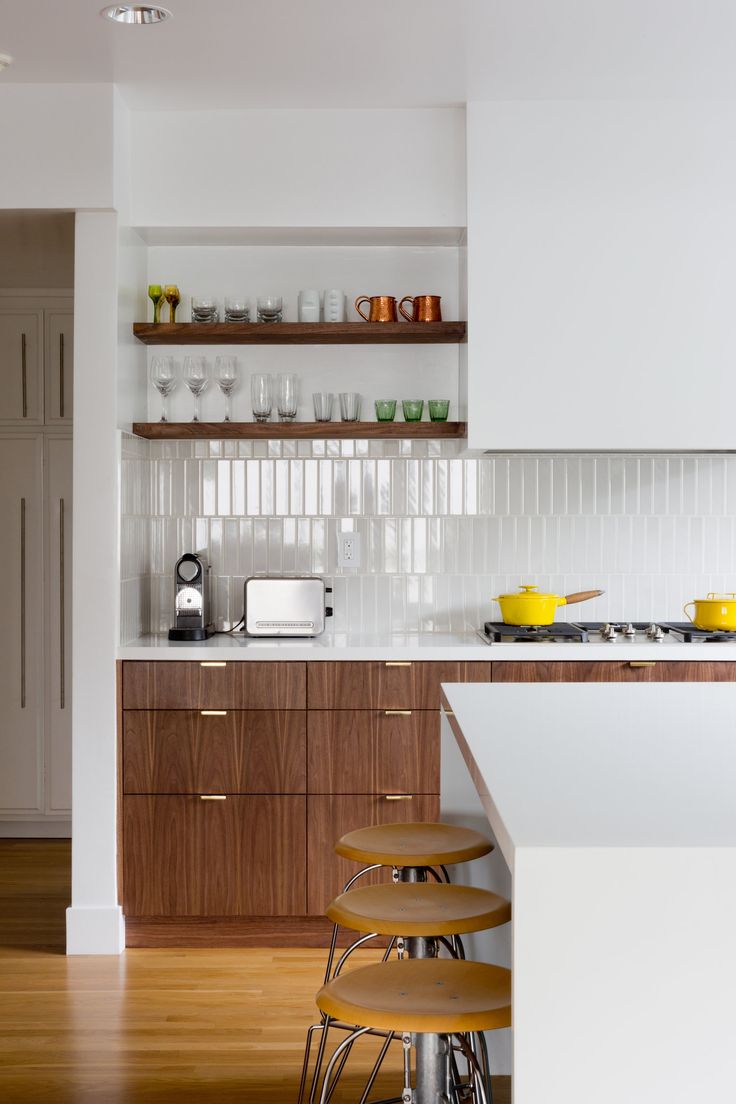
(35, 829)
(95, 931)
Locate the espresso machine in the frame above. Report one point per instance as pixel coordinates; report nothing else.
(192, 604)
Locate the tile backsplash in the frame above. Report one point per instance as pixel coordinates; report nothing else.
(443, 530)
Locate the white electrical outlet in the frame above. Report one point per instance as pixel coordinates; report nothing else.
(348, 550)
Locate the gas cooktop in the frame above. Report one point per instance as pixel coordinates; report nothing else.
(584, 632)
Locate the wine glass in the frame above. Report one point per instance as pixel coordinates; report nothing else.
(261, 395)
(156, 295)
(287, 396)
(172, 296)
(226, 374)
(196, 377)
(163, 378)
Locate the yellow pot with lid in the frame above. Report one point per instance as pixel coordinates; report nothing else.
(531, 608)
(715, 613)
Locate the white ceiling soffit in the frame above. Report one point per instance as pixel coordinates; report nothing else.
(340, 53)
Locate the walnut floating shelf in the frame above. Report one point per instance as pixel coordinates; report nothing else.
(188, 431)
(301, 333)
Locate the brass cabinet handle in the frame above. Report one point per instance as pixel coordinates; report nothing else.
(62, 611)
(397, 663)
(24, 373)
(213, 712)
(61, 375)
(398, 797)
(642, 663)
(22, 603)
(397, 712)
(213, 663)
(213, 797)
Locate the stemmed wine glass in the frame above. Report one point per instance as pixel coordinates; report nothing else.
(156, 295)
(163, 378)
(172, 296)
(196, 377)
(226, 374)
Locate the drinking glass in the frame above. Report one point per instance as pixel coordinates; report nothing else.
(156, 295)
(323, 401)
(438, 409)
(413, 409)
(237, 309)
(226, 374)
(163, 378)
(270, 308)
(172, 296)
(287, 396)
(261, 396)
(196, 377)
(349, 406)
(204, 309)
(385, 410)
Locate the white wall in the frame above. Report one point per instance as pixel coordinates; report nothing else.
(56, 142)
(298, 168)
(601, 238)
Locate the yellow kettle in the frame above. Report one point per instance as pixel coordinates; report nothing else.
(531, 608)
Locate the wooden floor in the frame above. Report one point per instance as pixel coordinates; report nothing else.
(150, 1026)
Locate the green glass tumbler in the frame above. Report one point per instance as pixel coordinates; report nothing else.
(438, 409)
(385, 410)
(413, 409)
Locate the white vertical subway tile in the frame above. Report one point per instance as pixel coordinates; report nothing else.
(355, 487)
(559, 485)
(689, 486)
(442, 484)
(675, 479)
(470, 480)
(515, 479)
(501, 485)
(660, 486)
(224, 501)
(296, 487)
(282, 487)
(456, 487)
(485, 486)
(602, 485)
(383, 486)
(325, 487)
(573, 485)
(237, 485)
(617, 484)
(631, 485)
(587, 485)
(253, 487)
(716, 465)
(646, 485)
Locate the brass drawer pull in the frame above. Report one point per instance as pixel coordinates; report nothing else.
(642, 663)
(397, 712)
(213, 712)
(397, 663)
(213, 663)
(399, 797)
(213, 797)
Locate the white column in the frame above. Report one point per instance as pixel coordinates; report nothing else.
(95, 922)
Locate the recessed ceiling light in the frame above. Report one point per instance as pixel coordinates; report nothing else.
(137, 14)
(5, 61)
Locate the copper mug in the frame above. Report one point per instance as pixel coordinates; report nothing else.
(382, 308)
(425, 308)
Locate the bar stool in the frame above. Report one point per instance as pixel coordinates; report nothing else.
(413, 847)
(419, 917)
(435, 1005)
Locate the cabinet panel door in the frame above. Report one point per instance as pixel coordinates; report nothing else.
(234, 751)
(374, 751)
(615, 671)
(21, 367)
(331, 817)
(59, 366)
(235, 685)
(21, 626)
(389, 684)
(59, 625)
(244, 856)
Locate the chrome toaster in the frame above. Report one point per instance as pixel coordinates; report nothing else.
(285, 605)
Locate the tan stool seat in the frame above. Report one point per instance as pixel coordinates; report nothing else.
(413, 844)
(419, 908)
(443, 996)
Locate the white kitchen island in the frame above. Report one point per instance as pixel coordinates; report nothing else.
(614, 811)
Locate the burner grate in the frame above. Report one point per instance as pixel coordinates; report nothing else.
(688, 633)
(498, 632)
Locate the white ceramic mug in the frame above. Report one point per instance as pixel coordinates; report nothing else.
(309, 306)
(334, 305)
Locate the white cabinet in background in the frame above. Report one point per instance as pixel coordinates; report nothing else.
(58, 620)
(58, 362)
(601, 238)
(21, 366)
(21, 627)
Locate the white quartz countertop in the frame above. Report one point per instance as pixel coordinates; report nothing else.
(417, 646)
(569, 765)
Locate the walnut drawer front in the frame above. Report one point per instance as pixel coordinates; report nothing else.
(373, 751)
(244, 856)
(386, 684)
(328, 818)
(615, 671)
(214, 684)
(230, 751)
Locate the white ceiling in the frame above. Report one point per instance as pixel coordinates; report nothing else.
(383, 53)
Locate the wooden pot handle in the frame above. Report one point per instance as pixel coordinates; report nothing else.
(407, 316)
(582, 596)
(358, 301)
